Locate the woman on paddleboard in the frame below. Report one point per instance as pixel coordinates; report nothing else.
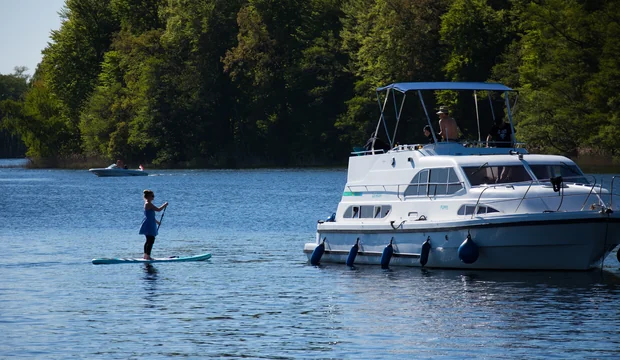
(149, 223)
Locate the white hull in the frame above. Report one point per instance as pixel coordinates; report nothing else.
(533, 242)
(104, 172)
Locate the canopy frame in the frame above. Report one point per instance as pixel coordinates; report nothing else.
(418, 87)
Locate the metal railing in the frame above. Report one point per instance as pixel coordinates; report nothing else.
(400, 194)
(427, 185)
(532, 182)
(368, 152)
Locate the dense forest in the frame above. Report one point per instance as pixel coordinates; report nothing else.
(232, 83)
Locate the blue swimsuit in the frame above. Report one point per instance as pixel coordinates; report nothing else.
(149, 226)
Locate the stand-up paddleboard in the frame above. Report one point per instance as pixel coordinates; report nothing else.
(101, 261)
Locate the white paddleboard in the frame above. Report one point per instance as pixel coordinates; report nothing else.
(101, 261)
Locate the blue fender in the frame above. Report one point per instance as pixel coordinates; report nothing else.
(387, 255)
(353, 253)
(426, 249)
(468, 251)
(318, 252)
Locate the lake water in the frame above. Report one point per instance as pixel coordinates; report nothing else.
(257, 297)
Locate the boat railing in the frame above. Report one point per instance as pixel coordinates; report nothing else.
(562, 195)
(400, 186)
(493, 144)
(359, 152)
(612, 194)
(611, 191)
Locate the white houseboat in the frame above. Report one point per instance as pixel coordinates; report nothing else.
(456, 204)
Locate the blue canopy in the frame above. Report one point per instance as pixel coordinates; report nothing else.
(408, 86)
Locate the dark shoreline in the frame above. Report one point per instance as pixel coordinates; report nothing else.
(590, 164)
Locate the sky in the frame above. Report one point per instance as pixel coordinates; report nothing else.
(25, 27)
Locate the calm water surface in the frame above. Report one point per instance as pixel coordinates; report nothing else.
(257, 297)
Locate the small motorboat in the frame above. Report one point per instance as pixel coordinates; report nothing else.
(114, 170)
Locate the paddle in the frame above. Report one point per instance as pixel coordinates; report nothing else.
(162, 218)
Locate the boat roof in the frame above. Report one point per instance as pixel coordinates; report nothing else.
(494, 160)
(409, 86)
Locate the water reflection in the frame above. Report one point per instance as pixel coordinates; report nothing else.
(150, 285)
(150, 272)
(559, 279)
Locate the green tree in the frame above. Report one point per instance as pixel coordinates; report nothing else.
(72, 60)
(38, 121)
(389, 41)
(290, 72)
(559, 54)
(12, 87)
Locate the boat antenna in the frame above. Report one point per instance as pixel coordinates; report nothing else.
(381, 120)
(491, 105)
(477, 115)
(512, 127)
(398, 112)
(427, 117)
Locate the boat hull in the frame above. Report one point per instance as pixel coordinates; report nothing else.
(105, 172)
(522, 243)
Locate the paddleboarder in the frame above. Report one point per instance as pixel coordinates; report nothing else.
(150, 225)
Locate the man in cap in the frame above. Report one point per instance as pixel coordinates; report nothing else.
(448, 130)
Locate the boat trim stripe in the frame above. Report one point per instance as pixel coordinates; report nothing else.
(468, 227)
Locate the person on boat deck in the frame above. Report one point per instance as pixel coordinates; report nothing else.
(150, 225)
(500, 134)
(428, 134)
(448, 130)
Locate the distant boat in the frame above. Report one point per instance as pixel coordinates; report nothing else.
(112, 170)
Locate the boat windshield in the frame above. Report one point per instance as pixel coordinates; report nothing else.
(496, 174)
(569, 173)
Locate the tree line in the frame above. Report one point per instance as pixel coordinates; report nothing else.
(229, 83)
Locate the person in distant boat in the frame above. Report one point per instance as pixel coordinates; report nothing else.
(428, 134)
(150, 226)
(448, 130)
(500, 134)
(119, 165)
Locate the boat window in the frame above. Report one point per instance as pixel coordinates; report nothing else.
(418, 184)
(485, 174)
(454, 184)
(466, 210)
(367, 211)
(386, 210)
(432, 182)
(438, 183)
(569, 173)
(469, 210)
